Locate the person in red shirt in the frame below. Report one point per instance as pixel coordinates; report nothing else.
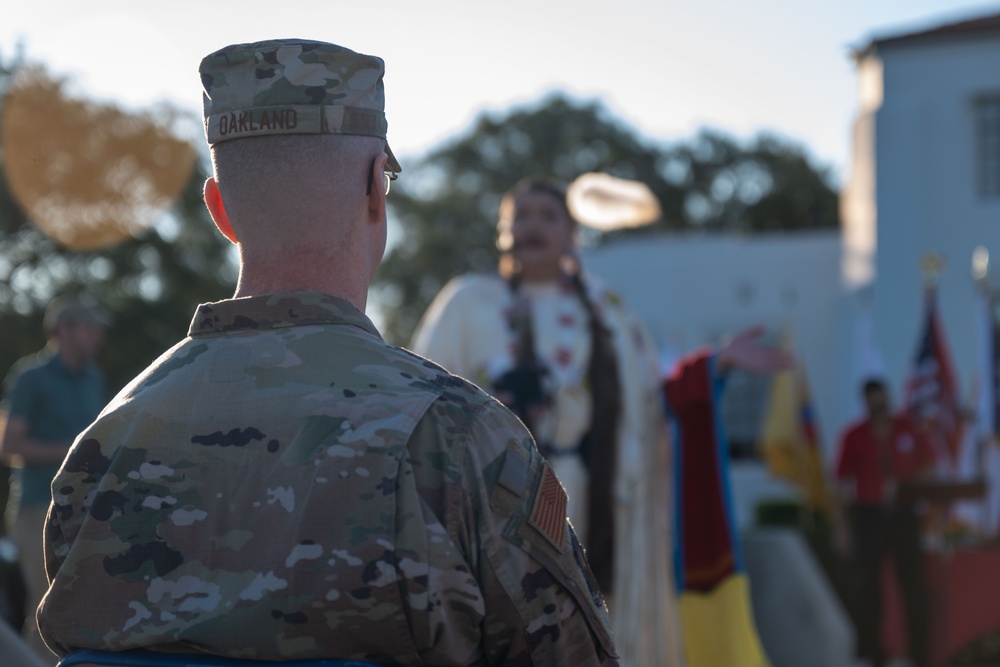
(877, 455)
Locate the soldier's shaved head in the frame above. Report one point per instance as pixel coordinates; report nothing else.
(299, 209)
(296, 127)
(275, 186)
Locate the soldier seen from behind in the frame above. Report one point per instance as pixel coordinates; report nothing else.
(284, 485)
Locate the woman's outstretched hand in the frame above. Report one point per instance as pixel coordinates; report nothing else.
(744, 353)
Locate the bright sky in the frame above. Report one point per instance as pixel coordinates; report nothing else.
(666, 66)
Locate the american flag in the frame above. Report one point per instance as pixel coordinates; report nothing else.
(931, 395)
(549, 513)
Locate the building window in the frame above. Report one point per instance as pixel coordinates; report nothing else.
(988, 139)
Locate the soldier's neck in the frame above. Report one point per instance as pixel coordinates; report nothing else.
(350, 288)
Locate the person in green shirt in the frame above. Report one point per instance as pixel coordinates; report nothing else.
(50, 397)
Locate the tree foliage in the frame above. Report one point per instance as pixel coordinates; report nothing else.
(445, 204)
(443, 211)
(151, 282)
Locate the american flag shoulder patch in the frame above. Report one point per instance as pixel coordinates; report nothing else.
(548, 514)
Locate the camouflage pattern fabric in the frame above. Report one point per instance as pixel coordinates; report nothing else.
(293, 86)
(282, 485)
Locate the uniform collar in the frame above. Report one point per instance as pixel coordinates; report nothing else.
(276, 311)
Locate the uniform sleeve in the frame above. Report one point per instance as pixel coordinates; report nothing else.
(55, 546)
(74, 482)
(542, 606)
(440, 335)
(72, 487)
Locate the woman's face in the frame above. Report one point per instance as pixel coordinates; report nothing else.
(541, 232)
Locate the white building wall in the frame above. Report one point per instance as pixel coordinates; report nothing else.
(912, 190)
(926, 192)
(691, 289)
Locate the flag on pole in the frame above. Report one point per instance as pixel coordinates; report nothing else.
(711, 582)
(983, 392)
(931, 394)
(989, 414)
(790, 441)
(979, 457)
(989, 402)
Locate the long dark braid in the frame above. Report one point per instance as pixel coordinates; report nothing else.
(599, 445)
(600, 442)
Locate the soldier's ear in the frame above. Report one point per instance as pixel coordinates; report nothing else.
(377, 194)
(213, 200)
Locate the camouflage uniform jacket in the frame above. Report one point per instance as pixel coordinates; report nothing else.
(282, 484)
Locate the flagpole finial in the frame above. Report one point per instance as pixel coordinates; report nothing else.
(981, 266)
(931, 266)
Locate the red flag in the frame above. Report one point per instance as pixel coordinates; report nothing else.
(931, 394)
(712, 585)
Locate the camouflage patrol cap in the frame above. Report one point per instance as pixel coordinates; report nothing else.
(293, 86)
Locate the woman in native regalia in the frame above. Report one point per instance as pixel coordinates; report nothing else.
(563, 352)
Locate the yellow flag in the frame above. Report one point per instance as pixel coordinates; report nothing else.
(790, 441)
(719, 629)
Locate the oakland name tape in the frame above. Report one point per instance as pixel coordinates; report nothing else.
(249, 121)
(264, 121)
(299, 119)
